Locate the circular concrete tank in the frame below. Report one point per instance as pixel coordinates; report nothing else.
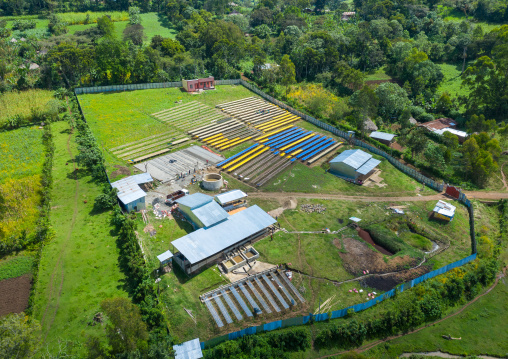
(212, 182)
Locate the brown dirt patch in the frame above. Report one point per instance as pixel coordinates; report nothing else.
(360, 257)
(120, 170)
(14, 294)
(367, 238)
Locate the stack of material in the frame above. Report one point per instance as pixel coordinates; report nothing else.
(313, 208)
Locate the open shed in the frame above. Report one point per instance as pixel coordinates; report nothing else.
(383, 137)
(188, 350)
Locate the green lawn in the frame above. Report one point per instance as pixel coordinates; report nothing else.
(452, 82)
(79, 267)
(378, 75)
(156, 24)
(451, 14)
(301, 178)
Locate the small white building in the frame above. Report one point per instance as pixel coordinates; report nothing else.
(444, 210)
(131, 196)
(188, 350)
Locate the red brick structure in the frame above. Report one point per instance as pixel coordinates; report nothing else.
(199, 84)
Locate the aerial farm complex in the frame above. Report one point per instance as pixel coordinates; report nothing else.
(236, 213)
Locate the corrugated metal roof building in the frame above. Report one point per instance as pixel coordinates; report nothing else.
(206, 245)
(383, 137)
(444, 210)
(165, 258)
(353, 164)
(188, 350)
(131, 196)
(226, 198)
(201, 210)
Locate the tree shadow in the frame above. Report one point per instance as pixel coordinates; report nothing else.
(165, 22)
(77, 174)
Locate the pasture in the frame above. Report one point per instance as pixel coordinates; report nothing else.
(79, 268)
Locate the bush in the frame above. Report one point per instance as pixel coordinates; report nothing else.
(385, 238)
(23, 25)
(417, 241)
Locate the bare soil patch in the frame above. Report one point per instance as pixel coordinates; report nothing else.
(390, 281)
(120, 170)
(14, 293)
(360, 257)
(367, 238)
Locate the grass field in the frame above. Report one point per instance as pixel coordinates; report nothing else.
(452, 82)
(451, 14)
(23, 104)
(80, 18)
(301, 178)
(122, 117)
(79, 267)
(21, 153)
(378, 75)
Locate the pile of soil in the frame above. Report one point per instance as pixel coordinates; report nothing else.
(360, 257)
(14, 293)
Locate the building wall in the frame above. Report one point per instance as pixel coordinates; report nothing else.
(343, 169)
(136, 205)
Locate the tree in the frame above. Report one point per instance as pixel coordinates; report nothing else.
(286, 72)
(435, 155)
(392, 100)
(478, 163)
(480, 124)
(106, 26)
(19, 336)
(365, 101)
(444, 104)
(107, 199)
(134, 17)
(416, 141)
(125, 330)
(135, 34)
(56, 26)
(262, 31)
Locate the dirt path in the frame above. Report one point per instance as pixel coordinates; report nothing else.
(377, 342)
(367, 198)
(52, 308)
(503, 178)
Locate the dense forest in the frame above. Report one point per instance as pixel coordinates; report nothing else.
(304, 53)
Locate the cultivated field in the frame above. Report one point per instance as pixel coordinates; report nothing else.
(24, 104)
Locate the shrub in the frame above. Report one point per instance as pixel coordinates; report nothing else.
(23, 25)
(417, 241)
(385, 238)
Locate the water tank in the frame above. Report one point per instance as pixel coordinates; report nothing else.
(212, 182)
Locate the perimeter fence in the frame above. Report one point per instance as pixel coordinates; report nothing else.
(345, 135)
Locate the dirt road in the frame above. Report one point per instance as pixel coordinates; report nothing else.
(367, 198)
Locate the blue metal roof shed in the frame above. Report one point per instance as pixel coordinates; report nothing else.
(230, 196)
(206, 242)
(188, 350)
(377, 135)
(194, 200)
(368, 166)
(165, 257)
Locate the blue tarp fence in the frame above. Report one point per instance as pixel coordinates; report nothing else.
(337, 313)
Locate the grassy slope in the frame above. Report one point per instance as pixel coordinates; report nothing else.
(452, 81)
(79, 267)
(481, 327)
(22, 103)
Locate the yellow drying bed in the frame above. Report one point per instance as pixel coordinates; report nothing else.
(235, 143)
(283, 123)
(275, 119)
(264, 137)
(208, 139)
(271, 123)
(248, 159)
(257, 148)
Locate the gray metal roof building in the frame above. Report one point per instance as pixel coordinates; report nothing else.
(165, 257)
(210, 214)
(230, 196)
(382, 136)
(202, 246)
(353, 164)
(188, 350)
(194, 200)
(129, 192)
